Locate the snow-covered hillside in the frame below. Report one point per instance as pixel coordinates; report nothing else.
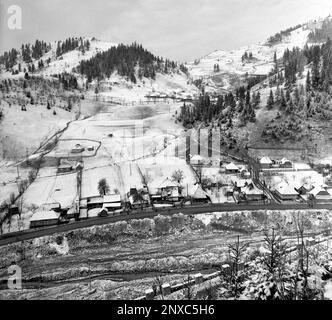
(71, 59)
(172, 84)
(231, 64)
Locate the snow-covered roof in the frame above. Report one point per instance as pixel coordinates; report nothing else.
(167, 183)
(45, 215)
(284, 160)
(231, 166)
(198, 193)
(285, 188)
(319, 190)
(197, 157)
(96, 199)
(112, 198)
(252, 189)
(265, 160)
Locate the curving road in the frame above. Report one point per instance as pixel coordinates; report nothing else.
(192, 210)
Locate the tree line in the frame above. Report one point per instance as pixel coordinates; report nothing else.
(222, 108)
(129, 61)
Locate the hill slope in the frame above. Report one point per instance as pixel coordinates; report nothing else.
(252, 60)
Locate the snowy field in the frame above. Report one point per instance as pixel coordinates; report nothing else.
(8, 179)
(51, 188)
(23, 131)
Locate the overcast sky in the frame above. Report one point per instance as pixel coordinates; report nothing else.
(179, 29)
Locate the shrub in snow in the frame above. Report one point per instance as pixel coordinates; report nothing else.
(142, 226)
(162, 224)
(178, 220)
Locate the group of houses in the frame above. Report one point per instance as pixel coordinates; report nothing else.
(268, 163)
(172, 192)
(246, 190)
(290, 192)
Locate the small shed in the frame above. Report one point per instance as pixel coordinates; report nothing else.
(77, 149)
(65, 166)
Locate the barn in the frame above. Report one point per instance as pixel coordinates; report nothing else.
(44, 218)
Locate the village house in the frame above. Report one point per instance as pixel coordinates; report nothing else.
(169, 190)
(232, 168)
(285, 163)
(198, 194)
(252, 193)
(138, 199)
(320, 193)
(265, 162)
(286, 192)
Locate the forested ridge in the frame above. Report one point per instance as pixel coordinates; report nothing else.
(132, 61)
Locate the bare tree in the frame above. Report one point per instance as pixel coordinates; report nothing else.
(178, 176)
